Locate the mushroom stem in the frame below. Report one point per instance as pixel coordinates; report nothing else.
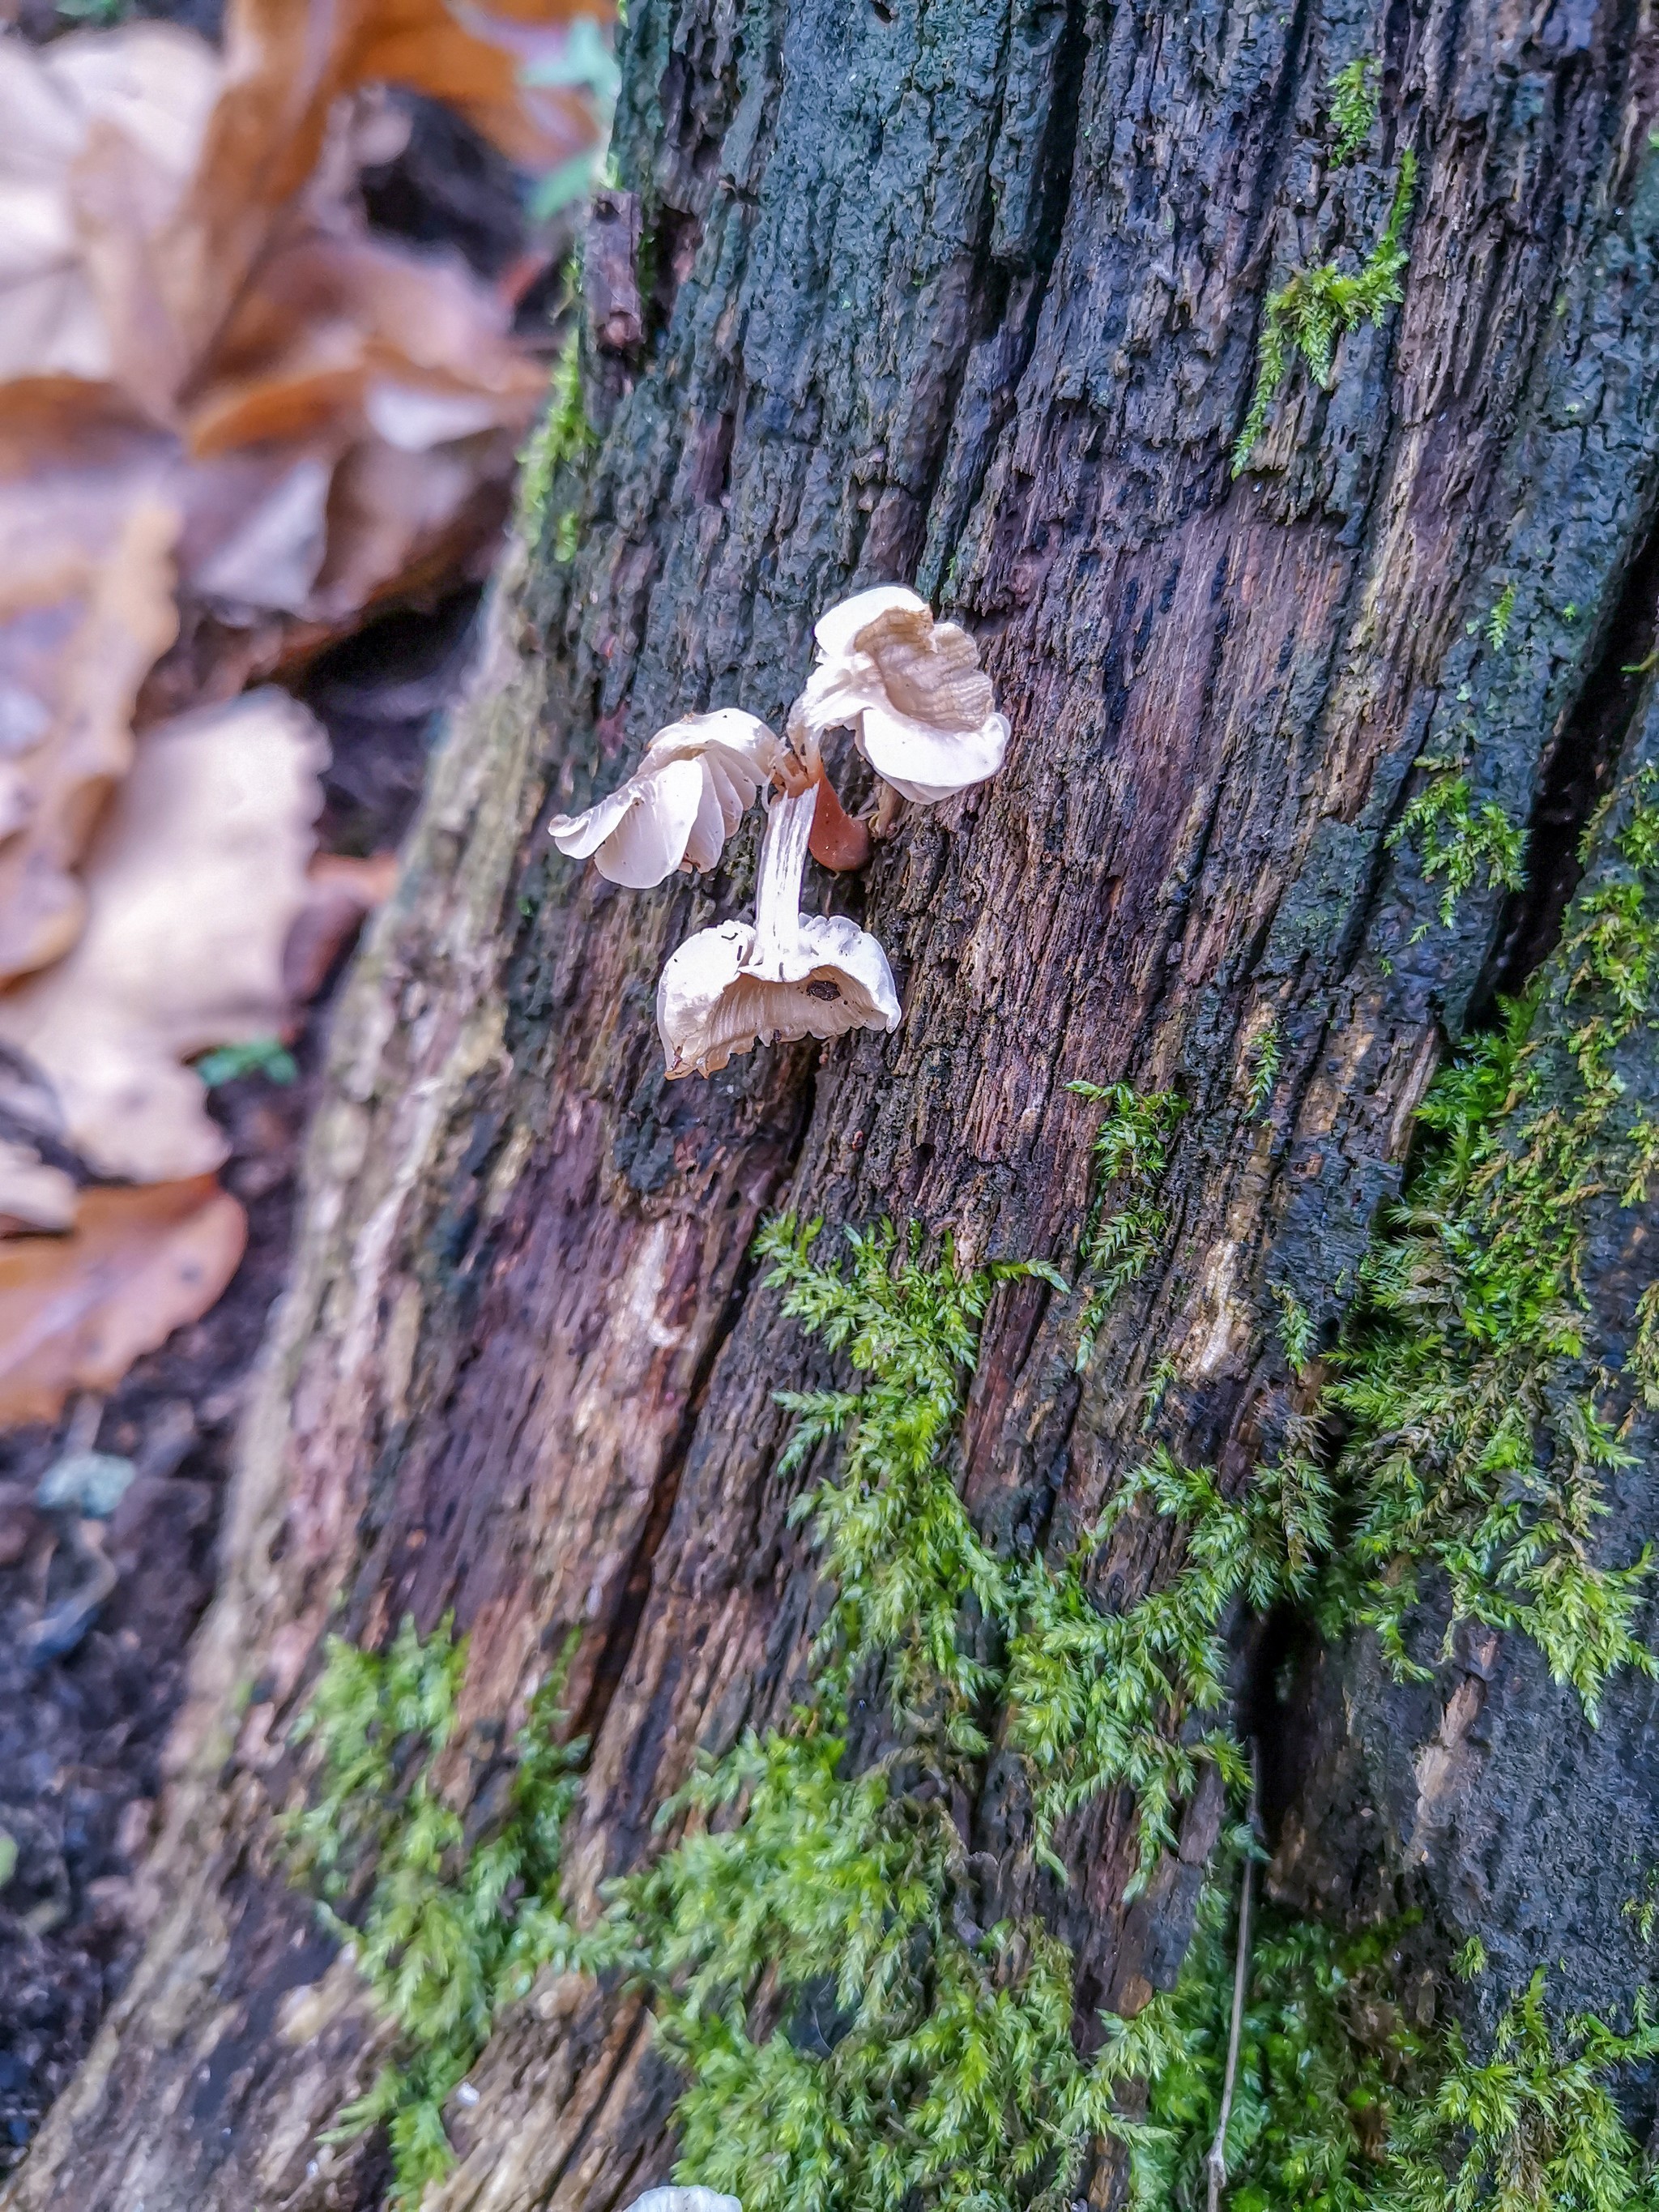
(837, 841)
(888, 803)
(777, 891)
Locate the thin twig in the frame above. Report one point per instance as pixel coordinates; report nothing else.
(1215, 2163)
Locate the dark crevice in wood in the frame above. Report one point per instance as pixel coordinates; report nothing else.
(1574, 776)
(1059, 148)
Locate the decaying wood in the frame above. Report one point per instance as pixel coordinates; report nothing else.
(966, 290)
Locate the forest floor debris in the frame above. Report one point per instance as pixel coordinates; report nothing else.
(274, 322)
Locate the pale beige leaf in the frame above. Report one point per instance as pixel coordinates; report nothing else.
(100, 136)
(86, 608)
(32, 1196)
(76, 1311)
(193, 881)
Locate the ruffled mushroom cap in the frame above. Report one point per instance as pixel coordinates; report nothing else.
(911, 689)
(784, 976)
(681, 805)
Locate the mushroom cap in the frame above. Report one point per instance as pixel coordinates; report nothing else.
(911, 689)
(711, 1003)
(680, 805)
(837, 631)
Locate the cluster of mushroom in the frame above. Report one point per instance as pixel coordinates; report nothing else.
(922, 713)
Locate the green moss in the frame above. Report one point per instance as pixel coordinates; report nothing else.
(1341, 2106)
(1498, 621)
(1296, 1329)
(1322, 2047)
(1460, 841)
(1314, 307)
(1470, 1962)
(1531, 2128)
(895, 1538)
(563, 439)
(916, 2058)
(1266, 1054)
(1353, 106)
(1477, 1445)
(1125, 1223)
(852, 2038)
(447, 1927)
(856, 2032)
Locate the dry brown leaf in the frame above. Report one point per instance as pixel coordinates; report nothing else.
(194, 878)
(345, 335)
(76, 1311)
(287, 65)
(397, 520)
(86, 607)
(143, 179)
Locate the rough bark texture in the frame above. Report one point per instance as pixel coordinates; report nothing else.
(969, 290)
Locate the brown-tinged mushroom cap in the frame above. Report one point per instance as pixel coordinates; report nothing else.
(910, 689)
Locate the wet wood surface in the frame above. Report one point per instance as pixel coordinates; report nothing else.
(969, 293)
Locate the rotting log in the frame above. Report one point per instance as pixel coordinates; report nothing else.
(967, 291)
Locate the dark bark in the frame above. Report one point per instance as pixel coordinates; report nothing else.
(969, 292)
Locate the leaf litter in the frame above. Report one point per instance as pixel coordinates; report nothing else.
(247, 438)
(234, 421)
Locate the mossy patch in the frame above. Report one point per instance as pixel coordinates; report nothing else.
(1314, 307)
(448, 1924)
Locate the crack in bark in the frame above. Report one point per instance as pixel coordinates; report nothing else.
(1574, 775)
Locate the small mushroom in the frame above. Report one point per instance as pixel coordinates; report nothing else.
(680, 805)
(685, 2200)
(911, 690)
(785, 975)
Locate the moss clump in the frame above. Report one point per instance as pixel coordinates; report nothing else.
(563, 439)
(1342, 2106)
(1531, 2128)
(1314, 307)
(854, 2037)
(1323, 2050)
(447, 1927)
(1477, 1445)
(851, 2036)
(1354, 107)
(1125, 1223)
(1460, 840)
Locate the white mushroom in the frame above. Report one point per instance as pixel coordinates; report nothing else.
(680, 805)
(911, 690)
(785, 975)
(684, 2200)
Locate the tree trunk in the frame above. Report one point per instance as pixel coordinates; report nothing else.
(966, 291)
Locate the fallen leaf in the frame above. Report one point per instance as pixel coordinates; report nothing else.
(76, 1311)
(193, 880)
(266, 139)
(102, 134)
(86, 607)
(32, 1196)
(399, 522)
(343, 335)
